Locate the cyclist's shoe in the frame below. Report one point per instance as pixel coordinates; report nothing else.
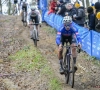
(75, 68)
(61, 70)
(38, 38)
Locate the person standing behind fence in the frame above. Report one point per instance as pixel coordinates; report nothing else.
(70, 10)
(97, 7)
(80, 16)
(59, 6)
(53, 4)
(98, 24)
(91, 17)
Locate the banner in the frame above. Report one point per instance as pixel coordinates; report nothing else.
(90, 39)
(43, 4)
(95, 44)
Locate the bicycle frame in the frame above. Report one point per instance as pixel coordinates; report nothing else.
(68, 68)
(34, 34)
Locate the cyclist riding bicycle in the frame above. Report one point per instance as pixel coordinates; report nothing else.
(23, 7)
(66, 35)
(34, 15)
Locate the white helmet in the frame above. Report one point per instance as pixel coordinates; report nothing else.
(67, 20)
(33, 7)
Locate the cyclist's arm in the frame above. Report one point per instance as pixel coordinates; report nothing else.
(28, 20)
(77, 36)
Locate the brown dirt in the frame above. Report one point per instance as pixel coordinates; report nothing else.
(13, 36)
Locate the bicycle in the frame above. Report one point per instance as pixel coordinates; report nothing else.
(24, 17)
(34, 34)
(69, 70)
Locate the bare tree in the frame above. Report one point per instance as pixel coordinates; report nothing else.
(9, 7)
(87, 3)
(0, 7)
(83, 3)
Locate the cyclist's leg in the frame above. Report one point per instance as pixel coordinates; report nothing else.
(31, 27)
(74, 51)
(37, 24)
(60, 56)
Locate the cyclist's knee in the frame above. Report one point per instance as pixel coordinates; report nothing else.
(74, 50)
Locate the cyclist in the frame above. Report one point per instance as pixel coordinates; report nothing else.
(23, 7)
(34, 15)
(67, 34)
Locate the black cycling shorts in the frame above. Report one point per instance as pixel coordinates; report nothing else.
(69, 39)
(24, 8)
(35, 19)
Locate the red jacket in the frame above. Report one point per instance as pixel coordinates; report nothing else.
(53, 4)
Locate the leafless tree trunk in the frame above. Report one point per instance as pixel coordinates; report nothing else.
(87, 3)
(0, 6)
(9, 7)
(83, 3)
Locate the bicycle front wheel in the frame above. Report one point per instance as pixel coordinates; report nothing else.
(67, 68)
(35, 37)
(72, 74)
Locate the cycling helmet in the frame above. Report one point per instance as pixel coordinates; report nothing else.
(33, 8)
(67, 20)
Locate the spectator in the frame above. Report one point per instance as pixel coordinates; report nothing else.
(97, 7)
(91, 17)
(59, 6)
(53, 4)
(63, 10)
(98, 24)
(70, 10)
(80, 17)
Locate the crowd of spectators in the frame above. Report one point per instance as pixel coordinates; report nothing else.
(78, 13)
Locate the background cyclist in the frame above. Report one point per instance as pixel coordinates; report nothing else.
(34, 15)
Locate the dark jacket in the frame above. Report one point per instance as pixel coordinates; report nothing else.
(80, 17)
(97, 27)
(91, 18)
(96, 20)
(62, 11)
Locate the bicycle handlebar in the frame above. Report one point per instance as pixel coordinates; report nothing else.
(68, 46)
(34, 24)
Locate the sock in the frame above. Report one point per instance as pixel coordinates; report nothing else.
(61, 62)
(74, 59)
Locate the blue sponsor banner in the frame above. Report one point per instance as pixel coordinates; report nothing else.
(86, 42)
(43, 4)
(95, 44)
(90, 39)
(51, 19)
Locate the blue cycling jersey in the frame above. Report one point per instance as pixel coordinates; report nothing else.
(67, 34)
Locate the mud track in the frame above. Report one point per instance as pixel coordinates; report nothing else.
(13, 36)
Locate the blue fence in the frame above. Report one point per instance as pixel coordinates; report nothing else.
(90, 39)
